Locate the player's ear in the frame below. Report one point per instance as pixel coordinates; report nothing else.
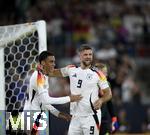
(80, 55)
(42, 63)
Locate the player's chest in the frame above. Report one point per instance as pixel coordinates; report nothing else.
(83, 79)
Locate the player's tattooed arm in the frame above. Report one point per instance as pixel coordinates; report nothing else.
(64, 116)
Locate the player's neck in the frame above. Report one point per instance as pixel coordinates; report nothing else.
(85, 67)
(44, 72)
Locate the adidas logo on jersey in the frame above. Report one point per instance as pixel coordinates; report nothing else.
(75, 75)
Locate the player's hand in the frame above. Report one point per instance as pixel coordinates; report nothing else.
(97, 104)
(75, 98)
(114, 125)
(64, 116)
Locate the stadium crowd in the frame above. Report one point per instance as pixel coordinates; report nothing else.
(118, 30)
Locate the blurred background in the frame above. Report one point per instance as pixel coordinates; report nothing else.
(118, 30)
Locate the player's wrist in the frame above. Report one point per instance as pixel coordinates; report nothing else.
(60, 115)
(64, 116)
(75, 98)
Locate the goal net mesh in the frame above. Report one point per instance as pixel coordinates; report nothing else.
(19, 56)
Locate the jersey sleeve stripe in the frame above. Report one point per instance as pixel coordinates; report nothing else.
(40, 80)
(100, 75)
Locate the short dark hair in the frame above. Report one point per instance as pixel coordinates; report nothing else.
(84, 47)
(43, 55)
(100, 65)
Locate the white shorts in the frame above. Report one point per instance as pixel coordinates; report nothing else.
(85, 125)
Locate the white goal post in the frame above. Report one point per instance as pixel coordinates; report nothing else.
(20, 45)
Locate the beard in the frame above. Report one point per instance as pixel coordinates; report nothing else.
(87, 63)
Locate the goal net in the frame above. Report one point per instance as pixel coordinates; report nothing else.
(19, 47)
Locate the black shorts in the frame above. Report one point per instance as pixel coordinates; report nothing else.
(104, 128)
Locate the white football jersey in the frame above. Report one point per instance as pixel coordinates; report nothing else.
(87, 83)
(38, 94)
(38, 83)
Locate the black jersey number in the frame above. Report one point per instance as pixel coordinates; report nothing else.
(79, 83)
(91, 130)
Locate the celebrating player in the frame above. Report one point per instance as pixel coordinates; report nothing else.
(38, 90)
(85, 80)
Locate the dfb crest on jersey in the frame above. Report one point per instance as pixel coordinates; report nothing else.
(89, 76)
